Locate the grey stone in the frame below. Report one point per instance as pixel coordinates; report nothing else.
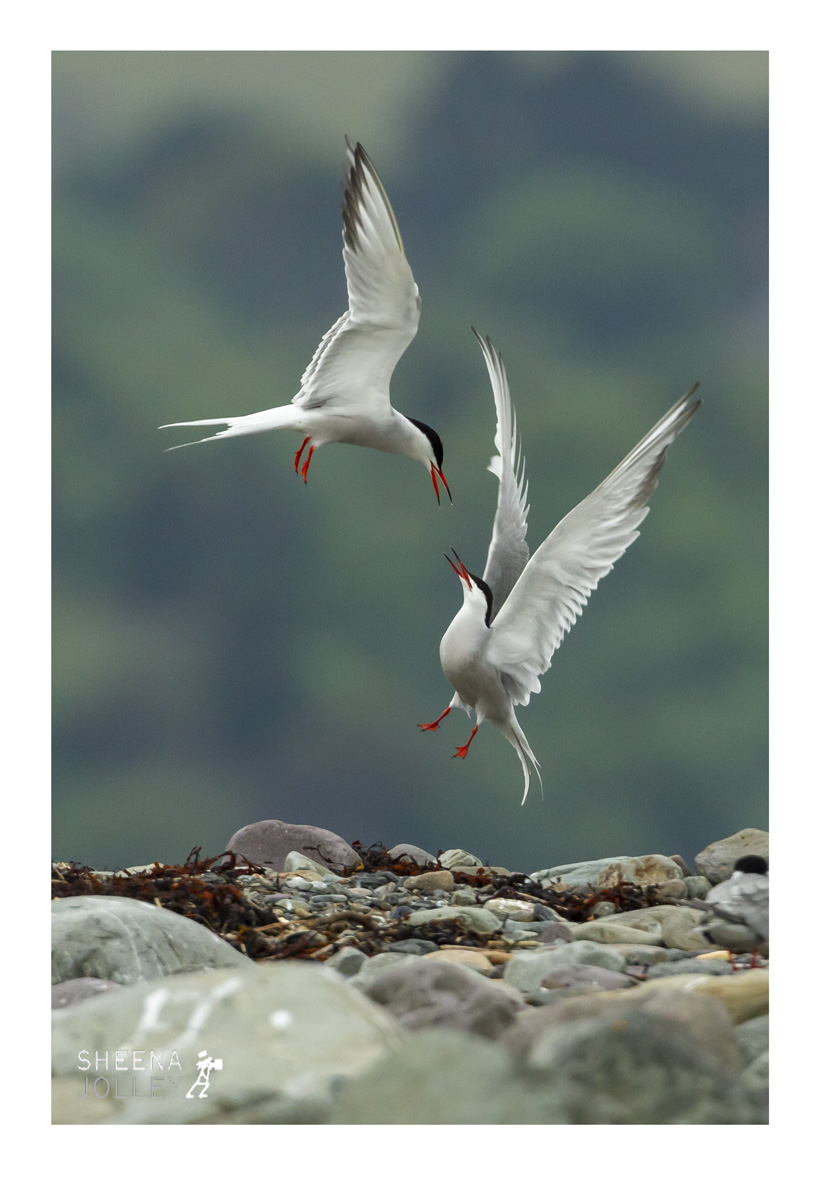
(583, 975)
(295, 861)
(691, 966)
(744, 994)
(74, 991)
(755, 1079)
(471, 959)
(374, 966)
(430, 881)
(703, 1020)
(732, 936)
(527, 968)
(575, 874)
(270, 842)
(517, 910)
(753, 1037)
(282, 1034)
(636, 954)
(423, 992)
(696, 887)
(556, 931)
(663, 924)
(670, 890)
(717, 860)
(113, 937)
(297, 884)
(600, 931)
(444, 1077)
(609, 872)
(637, 1068)
(413, 946)
(405, 851)
(543, 913)
(459, 860)
(478, 920)
(348, 961)
(682, 928)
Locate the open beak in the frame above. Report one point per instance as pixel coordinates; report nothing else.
(460, 570)
(434, 471)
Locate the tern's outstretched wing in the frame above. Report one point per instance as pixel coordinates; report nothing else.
(357, 355)
(566, 568)
(508, 551)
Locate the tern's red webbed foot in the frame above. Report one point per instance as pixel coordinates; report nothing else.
(304, 470)
(435, 724)
(461, 751)
(299, 455)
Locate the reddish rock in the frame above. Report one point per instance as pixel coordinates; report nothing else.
(270, 842)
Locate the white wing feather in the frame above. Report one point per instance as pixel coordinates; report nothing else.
(356, 357)
(508, 551)
(566, 568)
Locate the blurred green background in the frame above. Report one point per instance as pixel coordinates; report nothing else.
(231, 646)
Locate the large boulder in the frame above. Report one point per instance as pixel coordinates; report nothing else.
(128, 941)
(639, 1068)
(717, 860)
(446, 1077)
(644, 869)
(231, 1045)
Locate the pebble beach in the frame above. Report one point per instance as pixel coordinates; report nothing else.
(299, 979)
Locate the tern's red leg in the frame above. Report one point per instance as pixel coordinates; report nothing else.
(307, 463)
(299, 454)
(435, 724)
(461, 751)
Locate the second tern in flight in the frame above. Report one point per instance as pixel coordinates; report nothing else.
(513, 619)
(345, 392)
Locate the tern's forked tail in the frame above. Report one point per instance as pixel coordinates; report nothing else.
(516, 737)
(272, 418)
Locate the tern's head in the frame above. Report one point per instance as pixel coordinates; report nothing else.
(427, 448)
(752, 864)
(476, 592)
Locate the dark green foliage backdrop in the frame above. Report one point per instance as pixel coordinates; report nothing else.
(231, 646)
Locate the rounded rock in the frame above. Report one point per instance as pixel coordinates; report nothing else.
(129, 941)
(270, 842)
(430, 881)
(717, 860)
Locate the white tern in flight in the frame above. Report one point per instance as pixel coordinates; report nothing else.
(345, 392)
(514, 618)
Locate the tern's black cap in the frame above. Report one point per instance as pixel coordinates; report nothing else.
(432, 437)
(488, 595)
(752, 864)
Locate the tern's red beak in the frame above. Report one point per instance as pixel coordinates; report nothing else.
(460, 570)
(434, 471)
